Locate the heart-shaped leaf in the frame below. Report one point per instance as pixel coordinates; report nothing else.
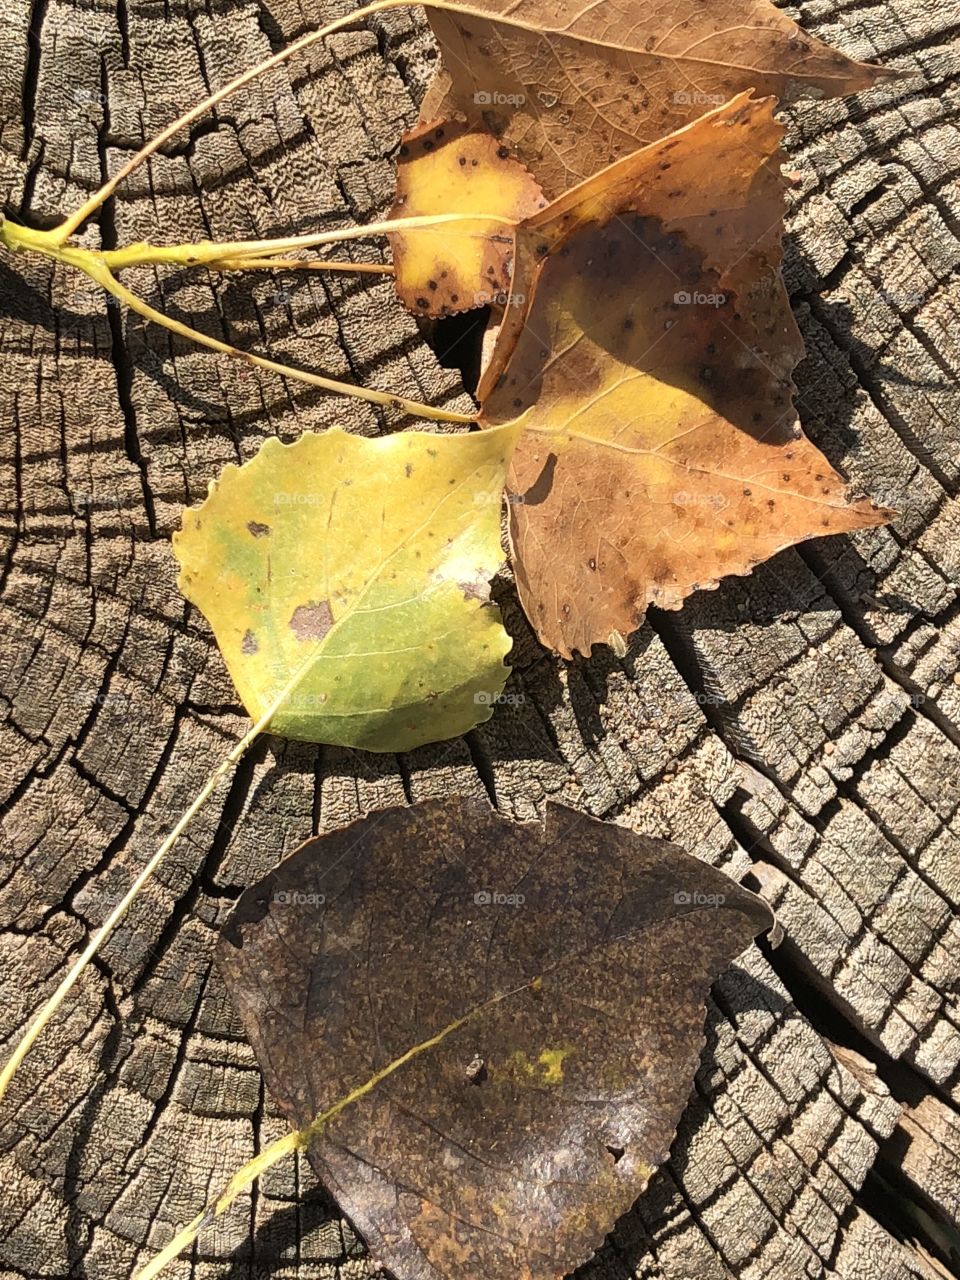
(662, 450)
(574, 87)
(359, 569)
(444, 167)
(515, 1011)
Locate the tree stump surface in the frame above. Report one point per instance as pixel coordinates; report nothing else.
(799, 728)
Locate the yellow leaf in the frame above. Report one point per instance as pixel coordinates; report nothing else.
(446, 168)
(358, 569)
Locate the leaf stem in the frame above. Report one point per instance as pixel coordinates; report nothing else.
(94, 266)
(120, 910)
(301, 264)
(208, 252)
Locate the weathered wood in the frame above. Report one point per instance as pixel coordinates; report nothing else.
(801, 727)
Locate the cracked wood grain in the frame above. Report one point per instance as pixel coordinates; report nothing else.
(799, 727)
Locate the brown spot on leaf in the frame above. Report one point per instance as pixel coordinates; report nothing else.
(477, 590)
(311, 621)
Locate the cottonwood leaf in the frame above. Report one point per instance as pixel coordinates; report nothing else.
(574, 87)
(575, 957)
(662, 451)
(445, 167)
(717, 181)
(364, 565)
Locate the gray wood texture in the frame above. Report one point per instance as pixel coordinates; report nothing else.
(800, 728)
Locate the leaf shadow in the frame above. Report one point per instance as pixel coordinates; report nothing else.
(264, 313)
(678, 329)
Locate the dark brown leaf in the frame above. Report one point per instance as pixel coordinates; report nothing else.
(579, 956)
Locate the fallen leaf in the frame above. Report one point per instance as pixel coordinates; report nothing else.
(662, 451)
(718, 182)
(364, 565)
(572, 88)
(560, 971)
(444, 167)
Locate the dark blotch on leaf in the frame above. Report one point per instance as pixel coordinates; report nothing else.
(479, 590)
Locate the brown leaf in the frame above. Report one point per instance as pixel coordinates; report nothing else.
(575, 87)
(444, 167)
(718, 181)
(662, 451)
(578, 957)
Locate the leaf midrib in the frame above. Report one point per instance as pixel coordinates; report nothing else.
(445, 6)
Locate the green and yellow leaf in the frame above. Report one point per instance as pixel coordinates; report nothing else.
(355, 573)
